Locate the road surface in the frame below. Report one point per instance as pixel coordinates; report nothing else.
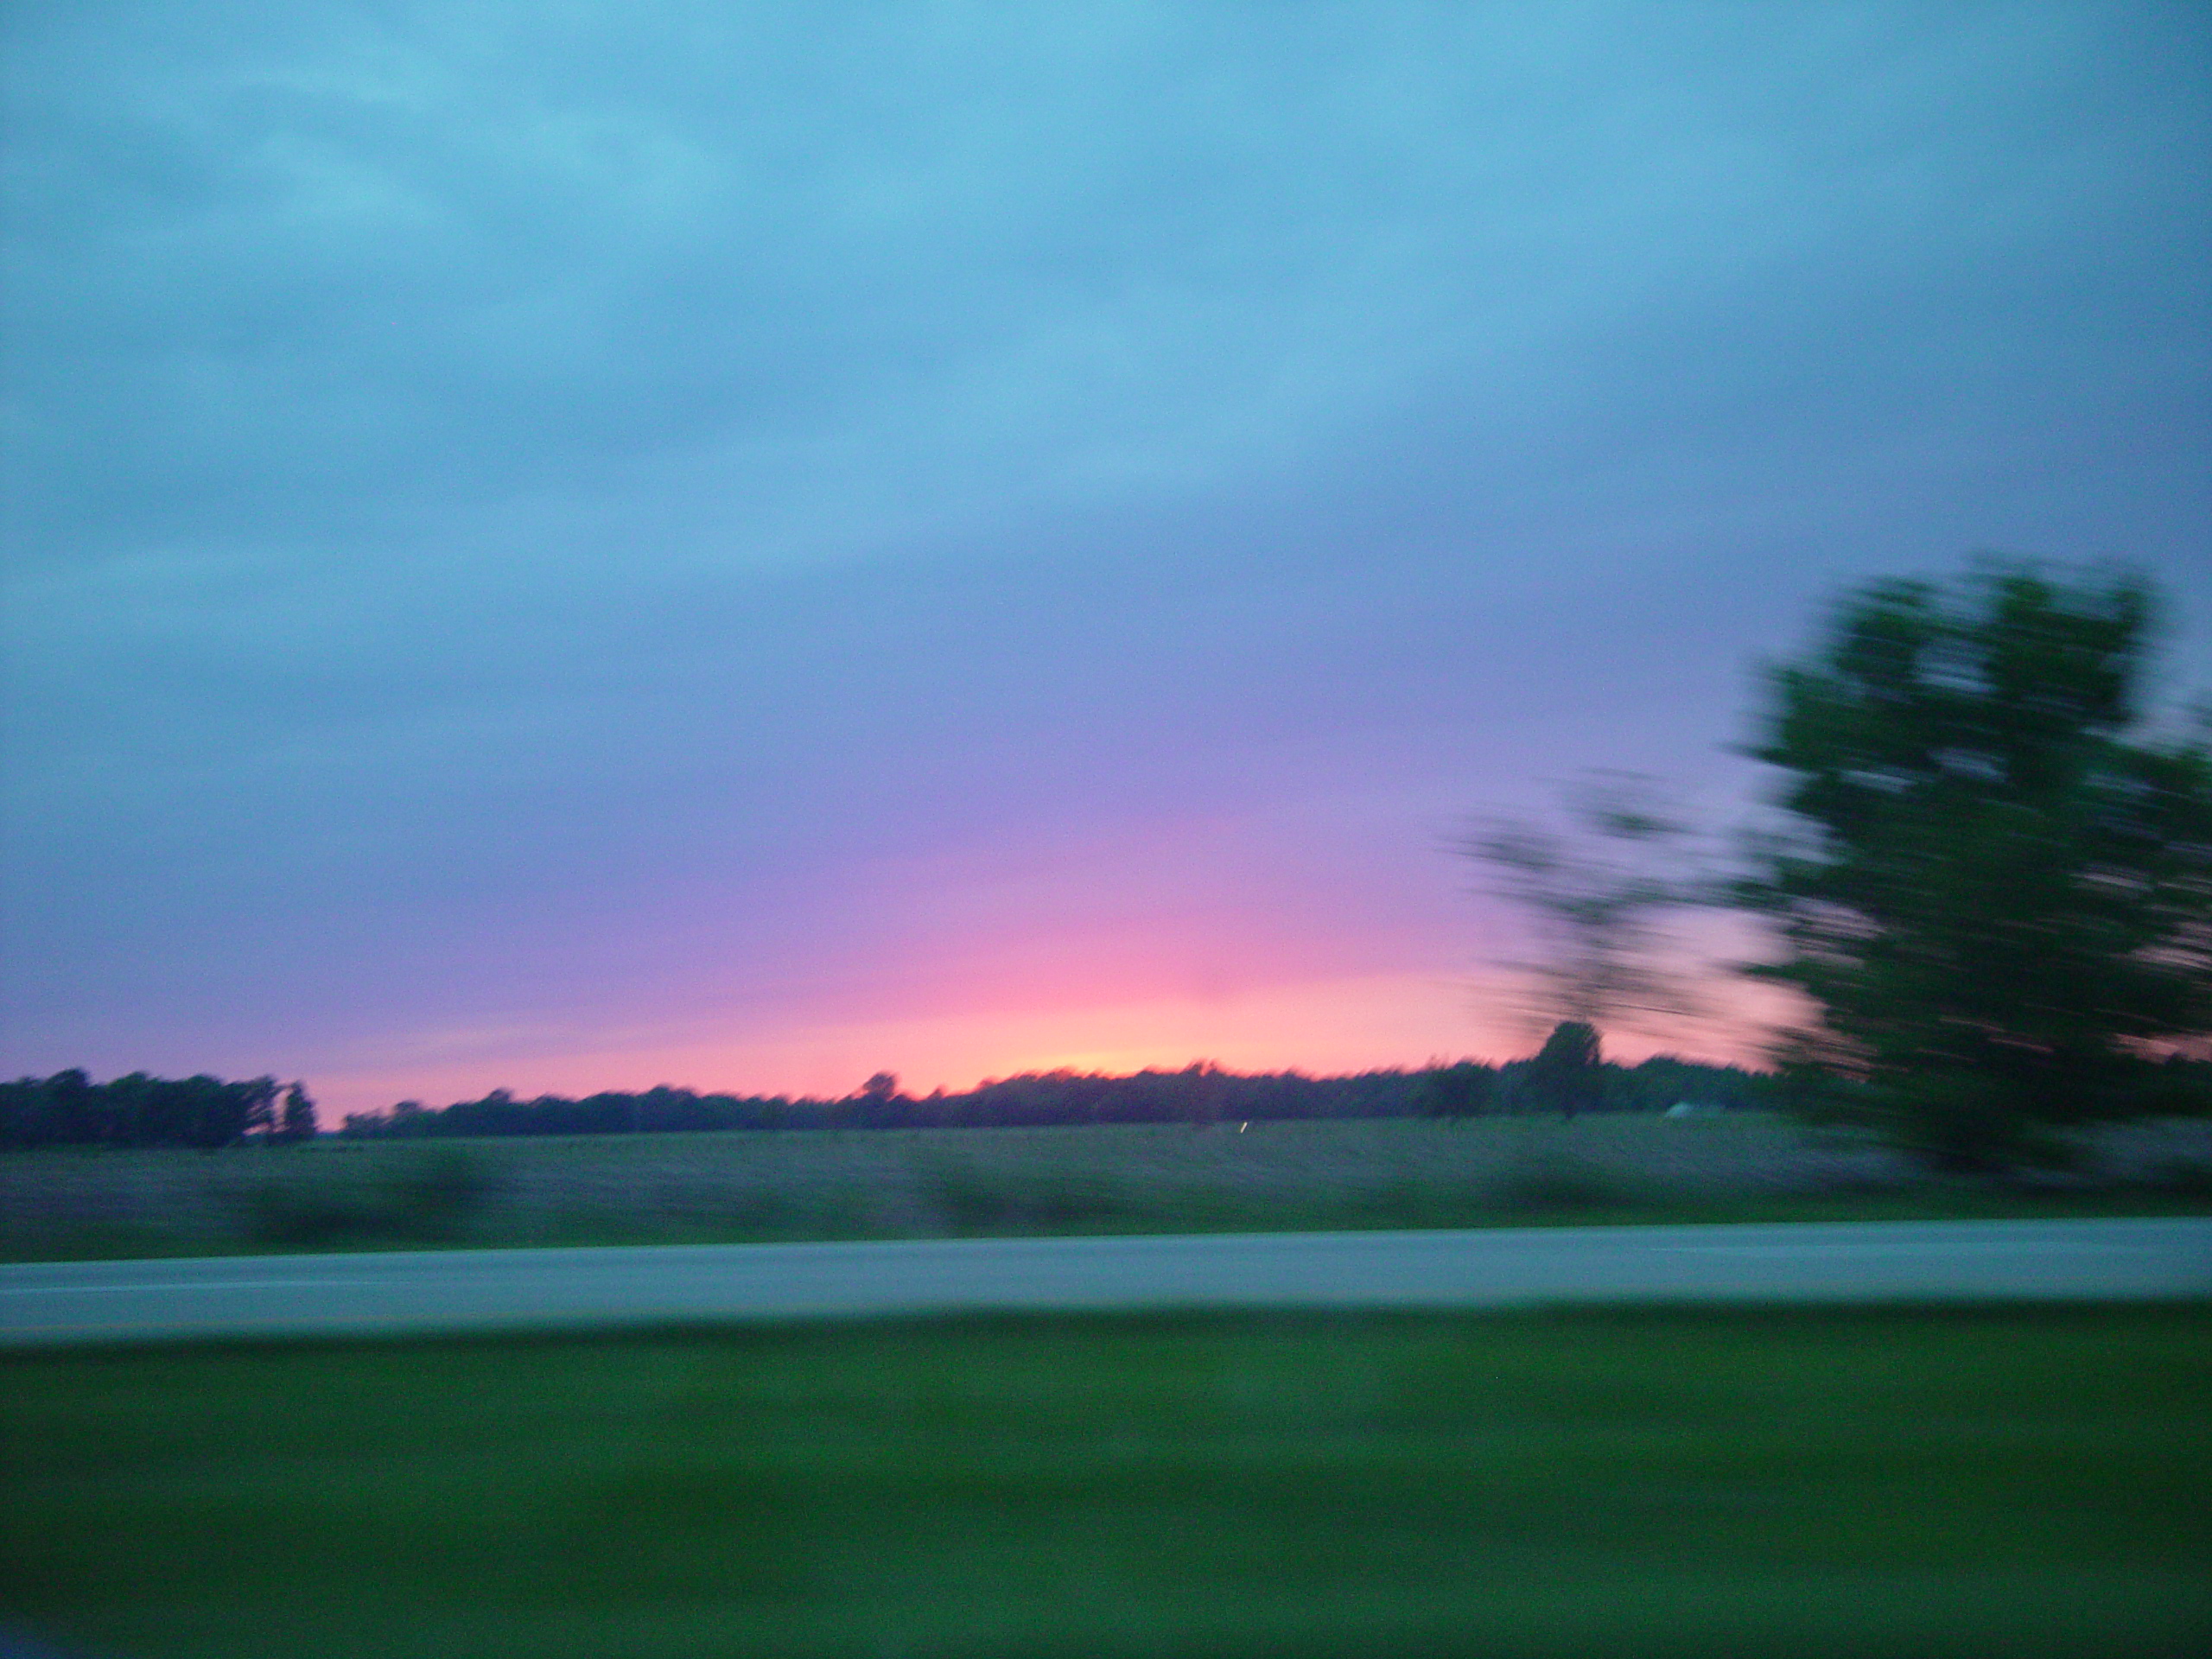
(480, 1290)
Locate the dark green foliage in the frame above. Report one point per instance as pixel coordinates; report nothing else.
(298, 1121)
(428, 1198)
(70, 1110)
(1997, 892)
(2185, 1178)
(2179, 1088)
(1567, 1075)
(1817, 1484)
(1464, 1090)
(1552, 1182)
(289, 1216)
(973, 1200)
(433, 1196)
(1664, 1081)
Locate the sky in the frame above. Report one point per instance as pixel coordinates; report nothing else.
(575, 547)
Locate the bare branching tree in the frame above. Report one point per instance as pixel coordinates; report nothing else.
(1601, 897)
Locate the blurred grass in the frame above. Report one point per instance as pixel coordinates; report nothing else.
(64, 1203)
(2016, 1480)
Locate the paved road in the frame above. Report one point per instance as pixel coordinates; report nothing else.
(468, 1290)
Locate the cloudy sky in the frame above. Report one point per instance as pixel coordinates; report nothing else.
(577, 546)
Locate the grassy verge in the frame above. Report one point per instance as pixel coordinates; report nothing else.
(1113, 1179)
(2016, 1480)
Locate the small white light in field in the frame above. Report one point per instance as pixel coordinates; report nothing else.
(1241, 1128)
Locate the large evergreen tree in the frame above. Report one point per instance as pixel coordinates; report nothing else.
(1996, 888)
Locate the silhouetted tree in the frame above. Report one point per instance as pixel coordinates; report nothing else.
(1595, 898)
(297, 1121)
(1996, 890)
(1567, 1072)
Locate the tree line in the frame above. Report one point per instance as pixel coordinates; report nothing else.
(138, 1111)
(70, 1110)
(1202, 1093)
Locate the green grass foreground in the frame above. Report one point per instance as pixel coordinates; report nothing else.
(2014, 1480)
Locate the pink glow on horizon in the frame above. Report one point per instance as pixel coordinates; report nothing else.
(1326, 1026)
(1143, 946)
(1321, 1027)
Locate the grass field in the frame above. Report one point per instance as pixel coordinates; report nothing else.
(338, 1194)
(2011, 1481)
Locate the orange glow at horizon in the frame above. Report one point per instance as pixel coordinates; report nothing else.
(1319, 1027)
